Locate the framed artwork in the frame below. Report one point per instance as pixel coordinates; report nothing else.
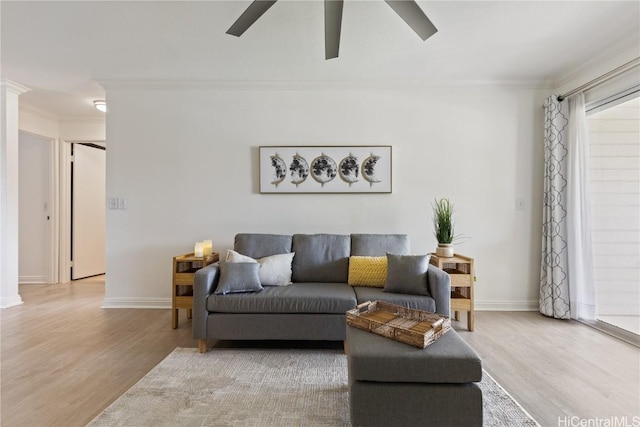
(325, 169)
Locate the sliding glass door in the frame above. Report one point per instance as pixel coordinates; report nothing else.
(614, 133)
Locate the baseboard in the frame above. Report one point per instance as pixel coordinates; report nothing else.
(507, 305)
(33, 280)
(153, 303)
(10, 301)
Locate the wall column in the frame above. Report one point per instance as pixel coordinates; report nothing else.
(9, 93)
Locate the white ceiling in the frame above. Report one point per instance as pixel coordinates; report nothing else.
(61, 49)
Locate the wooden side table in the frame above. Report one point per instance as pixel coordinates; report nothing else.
(184, 267)
(460, 269)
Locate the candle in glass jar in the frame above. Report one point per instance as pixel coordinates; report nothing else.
(198, 249)
(207, 247)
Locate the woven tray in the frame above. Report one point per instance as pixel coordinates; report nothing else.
(415, 327)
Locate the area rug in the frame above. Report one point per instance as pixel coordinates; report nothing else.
(258, 387)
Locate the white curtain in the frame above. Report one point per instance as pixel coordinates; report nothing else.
(566, 274)
(581, 283)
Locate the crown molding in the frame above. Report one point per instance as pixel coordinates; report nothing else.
(14, 87)
(83, 119)
(618, 54)
(38, 111)
(62, 120)
(318, 85)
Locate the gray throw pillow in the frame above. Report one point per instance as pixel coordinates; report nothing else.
(238, 277)
(275, 270)
(407, 274)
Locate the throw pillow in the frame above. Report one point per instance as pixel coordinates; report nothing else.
(275, 269)
(238, 277)
(233, 256)
(407, 274)
(368, 271)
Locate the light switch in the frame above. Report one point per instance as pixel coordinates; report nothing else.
(117, 203)
(519, 204)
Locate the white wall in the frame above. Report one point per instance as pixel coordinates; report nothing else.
(186, 161)
(82, 130)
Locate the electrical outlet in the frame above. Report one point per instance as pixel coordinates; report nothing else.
(519, 204)
(122, 203)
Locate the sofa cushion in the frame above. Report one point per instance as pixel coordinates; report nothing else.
(368, 271)
(379, 244)
(275, 270)
(328, 298)
(238, 277)
(407, 274)
(257, 245)
(419, 302)
(321, 257)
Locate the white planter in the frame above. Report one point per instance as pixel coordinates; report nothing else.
(444, 250)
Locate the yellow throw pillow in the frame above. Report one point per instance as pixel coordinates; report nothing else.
(368, 271)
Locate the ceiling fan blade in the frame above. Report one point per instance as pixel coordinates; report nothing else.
(249, 16)
(332, 27)
(411, 13)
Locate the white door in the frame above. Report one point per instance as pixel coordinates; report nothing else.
(34, 181)
(88, 194)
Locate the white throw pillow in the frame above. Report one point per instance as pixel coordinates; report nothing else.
(233, 256)
(275, 270)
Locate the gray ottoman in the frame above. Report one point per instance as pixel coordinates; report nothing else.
(395, 384)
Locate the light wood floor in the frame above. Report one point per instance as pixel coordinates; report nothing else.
(64, 359)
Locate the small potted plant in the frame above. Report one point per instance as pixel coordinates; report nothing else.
(443, 227)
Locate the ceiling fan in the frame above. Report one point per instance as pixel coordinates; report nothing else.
(408, 10)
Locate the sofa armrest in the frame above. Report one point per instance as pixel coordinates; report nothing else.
(205, 282)
(439, 285)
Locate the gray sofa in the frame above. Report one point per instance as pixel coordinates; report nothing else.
(313, 307)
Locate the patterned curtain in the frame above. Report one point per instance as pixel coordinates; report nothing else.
(554, 284)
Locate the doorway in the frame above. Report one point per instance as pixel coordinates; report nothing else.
(88, 193)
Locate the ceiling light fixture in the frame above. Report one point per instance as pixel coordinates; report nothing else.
(101, 105)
